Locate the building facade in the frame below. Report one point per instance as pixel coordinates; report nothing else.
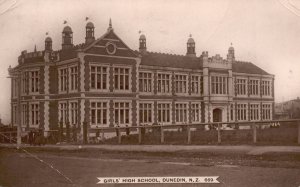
(105, 83)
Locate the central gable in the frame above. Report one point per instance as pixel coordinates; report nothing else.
(110, 45)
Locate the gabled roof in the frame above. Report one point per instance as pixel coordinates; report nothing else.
(170, 60)
(247, 67)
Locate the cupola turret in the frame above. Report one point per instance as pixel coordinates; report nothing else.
(48, 44)
(67, 38)
(142, 47)
(191, 47)
(230, 55)
(89, 28)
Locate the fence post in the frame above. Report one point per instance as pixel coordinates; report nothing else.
(219, 133)
(298, 132)
(61, 131)
(254, 132)
(140, 135)
(102, 135)
(162, 134)
(188, 134)
(9, 137)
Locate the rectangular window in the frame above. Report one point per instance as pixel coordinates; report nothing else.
(24, 117)
(181, 83)
(181, 112)
(99, 113)
(266, 112)
(218, 85)
(253, 87)
(265, 88)
(121, 78)
(14, 87)
(164, 112)
(145, 113)
(195, 84)
(254, 112)
(63, 74)
(232, 112)
(74, 113)
(241, 112)
(63, 112)
(122, 113)
(73, 78)
(34, 81)
(99, 77)
(25, 82)
(15, 114)
(145, 82)
(34, 114)
(196, 112)
(241, 87)
(163, 83)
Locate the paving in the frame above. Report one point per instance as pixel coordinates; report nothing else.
(241, 149)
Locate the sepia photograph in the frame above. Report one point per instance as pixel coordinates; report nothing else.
(149, 93)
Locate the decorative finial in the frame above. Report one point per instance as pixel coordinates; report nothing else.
(190, 35)
(65, 22)
(140, 31)
(110, 24)
(47, 33)
(86, 18)
(231, 43)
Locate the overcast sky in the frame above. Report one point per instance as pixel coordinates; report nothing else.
(267, 33)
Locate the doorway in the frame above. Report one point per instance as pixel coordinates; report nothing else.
(217, 115)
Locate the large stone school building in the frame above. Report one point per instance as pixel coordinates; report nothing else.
(105, 83)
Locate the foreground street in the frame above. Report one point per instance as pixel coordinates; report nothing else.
(18, 168)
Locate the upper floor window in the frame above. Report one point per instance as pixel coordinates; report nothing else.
(14, 114)
(164, 112)
(99, 113)
(266, 112)
(25, 82)
(254, 111)
(241, 87)
(241, 110)
(180, 83)
(34, 81)
(266, 88)
(73, 78)
(254, 87)
(195, 84)
(181, 112)
(63, 74)
(121, 78)
(163, 83)
(145, 113)
(218, 85)
(99, 77)
(14, 87)
(145, 82)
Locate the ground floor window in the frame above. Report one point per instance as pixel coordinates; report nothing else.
(122, 113)
(196, 112)
(266, 112)
(241, 112)
(34, 114)
(74, 112)
(232, 112)
(99, 113)
(181, 112)
(145, 113)
(63, 112)
(164, 112)
(254, 111)
(24, 117)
